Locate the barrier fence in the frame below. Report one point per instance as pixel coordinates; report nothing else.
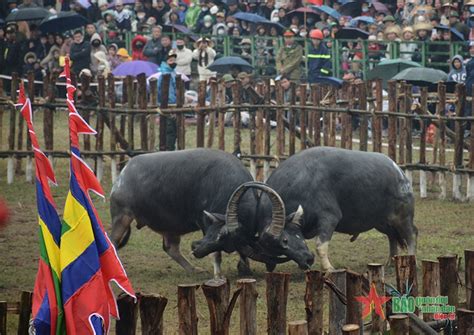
(278, 123)
(408, 310)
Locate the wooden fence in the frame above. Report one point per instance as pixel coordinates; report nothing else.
(305, 116)
(440, 278)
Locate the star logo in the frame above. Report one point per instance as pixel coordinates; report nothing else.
(373, 302)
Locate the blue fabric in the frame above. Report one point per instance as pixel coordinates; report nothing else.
(166, 69)
(315, 65)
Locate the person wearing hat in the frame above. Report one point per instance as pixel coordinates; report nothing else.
(458, 25)
(168, 66)
(392, 36)
(422, 30)
(10, 57)
(184, 58)
(246, 49)
(124, 56)
(112, 57)
(319, 58)
(407, 47)
(289, 57)
(31, 64)
(388, 21)
(204, 54)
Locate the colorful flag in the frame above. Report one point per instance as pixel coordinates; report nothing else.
(88, 259)
(47, 305)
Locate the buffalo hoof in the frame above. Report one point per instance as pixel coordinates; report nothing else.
(270, 266)
(244, 269)
(390, 262)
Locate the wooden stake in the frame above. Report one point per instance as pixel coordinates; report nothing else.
(430, 271)
(465, 321)
(180, 117)
(402, 132)
(291, 120)
(3, 317)
(353, 290)
(332, 119)
(280, 99)
(298, 327)
(128, 310)
(113, 142)
(442, 138)
(221, 118)
(377, 120)
(469, 262)
(314, 301)
(315, 129)
(364, 121)
(392, 120)
(351, 329)
(142, 104)
(405, 267)
(152, 307)
(399, 324)
(130, 104)
(277, 296)
(212, 115)
(164, 100)
(236, 87)
(248, 306)
(303, 116)
(187, 316)
(26, 300)
(377, 277)
(337, 310)
(448, 274)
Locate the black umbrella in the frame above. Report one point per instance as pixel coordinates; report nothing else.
(421, 76)
(27, 14)
(351, 34)
(177, 28)
(61, 22)
(225, 64)
(351, 8)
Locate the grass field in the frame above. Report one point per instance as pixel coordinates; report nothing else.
(444, 227)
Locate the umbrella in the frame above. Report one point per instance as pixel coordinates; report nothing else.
(61, 22)
(351, 34)
(172, 28)
(380, 7)
(366, 19)
(421, 76)
(134, 68)
(328, 10)
(386, 69)
(333, 81)
(250, 17)
(304, 12)
(351, 8)
(456, 35)
(224, 64)
(27, 14)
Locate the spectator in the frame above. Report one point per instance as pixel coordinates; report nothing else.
(112, 56)
(458, 71)
(123, 16)
(96, 46)
(204, 54)
(138, 44)
(51, 62)
(124, 56)
(246, 52)
(66, 46)
(289, 57)
(153, 47)
(90, 31)
(407, 49)
(319, 59)
(32, 65)
(80, 53)
(103, 64)
(459, 26)
(165, 47)
(168, 67)
(184, 57)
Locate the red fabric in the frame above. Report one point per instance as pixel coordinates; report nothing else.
(315, 2)
(44, 284)
(4, 215)
(137, 54)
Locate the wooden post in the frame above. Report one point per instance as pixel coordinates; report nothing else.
(3, 317)
(316, 115)
(180, 119)
(11, 135)
(326, 119)
(442, 138)
(314, 301)
(399, 324)
(353, 290)
(153, 118)
(187, 315)
(99, 139)
(131, 118)
(465, 321)
(128, 310)
(392, 120)
(458, 141)
(217, 292)
(402, 131)
(470, 176)
(469, 261)
(351, 329)
(364, 120)
(377, 278)
(424, 107)
(430, 271)
(142, 104)
(448, 276)
(298, 327)
(405, 267)
(86, 100)
(236, 87)
(291, 120)
(260, 133)
(21, 126)
(248, 306)
(26, 299)
(280, 136)
(221, 118)
(113, 142)
(409, 122)
(346, 122)
(164, 100)
(277, 296)
(212, 114)
(1, 115)
(152, 307)
(337, 310)
(29, 159)
(333, 118)
(267, 137)
(377, 120)
(303, 116)
(253, 138)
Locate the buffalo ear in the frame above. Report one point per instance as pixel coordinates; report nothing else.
(296, 218)
(214, 218)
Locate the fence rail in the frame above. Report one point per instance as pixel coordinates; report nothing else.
(440, 278)
(278, 123)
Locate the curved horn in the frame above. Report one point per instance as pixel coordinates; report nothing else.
(278, 207)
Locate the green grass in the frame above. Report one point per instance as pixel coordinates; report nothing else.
(444, 227)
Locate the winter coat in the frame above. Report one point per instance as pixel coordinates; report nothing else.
(164, 69)
(204, 58)
(469, 76)
(94, 50)
(457, 75)
(407, 50)
(10, 58)
(319, 62)
(137, 54)
(49, 62)
(80, 55)
(288, 61)
(183, 61)
(153, 51)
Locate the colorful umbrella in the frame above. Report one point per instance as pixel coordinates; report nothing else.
(134, 68)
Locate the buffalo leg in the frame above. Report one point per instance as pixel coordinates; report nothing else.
(216, 262)
(393, 250)
(322, 248)
(171, 247)
(243, 267)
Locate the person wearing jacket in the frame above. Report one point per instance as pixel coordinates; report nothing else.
(184, 57)
(458, 71)
(80, 53)
(96, 46)
(319, 59)
(204, 54)
(168, 67)
(153, 47)
(138, 44)
(289, 57)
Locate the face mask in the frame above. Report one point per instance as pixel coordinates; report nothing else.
(172, 65)
(180, 47)
(303, 34)
(295, 31)
(275, 19)
(139, 45)
(365, 9)
(214, 10)
(204, 9)
(207, 24)
(220, 32)
(141, 16)
(230, 25)
(96, 44)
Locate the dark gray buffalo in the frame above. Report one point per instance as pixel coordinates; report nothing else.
(170, 191)
(328, 190)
